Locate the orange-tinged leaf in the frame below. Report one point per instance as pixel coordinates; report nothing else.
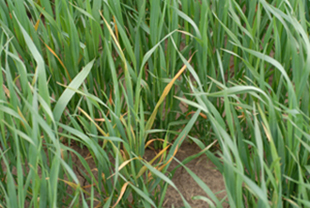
(103, 177)
(97, 126)
(153, 140)
(88, 186)
(6, 90)
(125, 163)
(201, 114)
(100, 204)
(116, 42)
(170, 159)
(167, 89)
(37, 23)
(121, 194)
(101, 119)
(62, 154)
(122, 166)
(160, 153)
(94, 169)
(116, 29)
(144, 168)
(62, 64)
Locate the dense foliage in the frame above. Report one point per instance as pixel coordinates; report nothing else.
(116, 77)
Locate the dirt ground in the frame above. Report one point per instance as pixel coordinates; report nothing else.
(204, 169)
(201, 166)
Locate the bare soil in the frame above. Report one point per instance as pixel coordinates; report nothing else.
(201, 166)
(204, 169)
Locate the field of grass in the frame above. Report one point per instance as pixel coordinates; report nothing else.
(117, 77)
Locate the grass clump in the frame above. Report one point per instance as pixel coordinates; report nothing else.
(117, 77)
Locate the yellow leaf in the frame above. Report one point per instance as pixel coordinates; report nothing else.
(37, 23)
(121, 193)
(163, 96)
